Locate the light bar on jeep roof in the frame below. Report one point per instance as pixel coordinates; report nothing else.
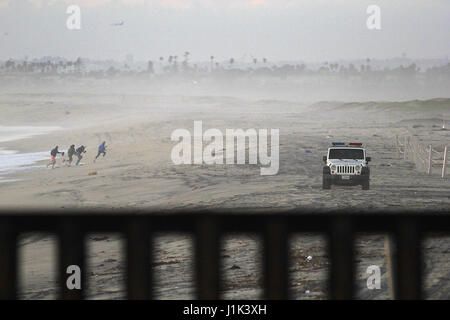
(344, 144)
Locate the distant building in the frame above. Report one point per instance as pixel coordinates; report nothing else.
(129, 59)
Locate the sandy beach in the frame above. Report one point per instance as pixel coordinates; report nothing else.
(137, 172)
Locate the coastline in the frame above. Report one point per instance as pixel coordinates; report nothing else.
(137, 172)
(13, 160)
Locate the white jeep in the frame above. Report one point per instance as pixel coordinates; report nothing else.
(346, 164)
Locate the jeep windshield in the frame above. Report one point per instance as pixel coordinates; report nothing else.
(346, 154)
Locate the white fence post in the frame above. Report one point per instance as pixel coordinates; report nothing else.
(444, 163)
(430, 165)
(397, 145)
(404, 148)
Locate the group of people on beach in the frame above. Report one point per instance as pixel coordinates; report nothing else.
(77, 152)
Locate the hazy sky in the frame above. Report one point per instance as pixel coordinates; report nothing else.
(315, 30)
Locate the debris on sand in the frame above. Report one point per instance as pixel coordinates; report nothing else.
(100, 238)
(92, 173)
(234, 267)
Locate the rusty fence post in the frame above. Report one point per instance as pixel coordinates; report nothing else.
(207, 260)
(408, 268)
(139, 257)
(71, 259)
(8, 260)
(341, 252)
(389, 249)
(276, 260)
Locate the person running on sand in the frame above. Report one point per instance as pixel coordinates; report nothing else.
(70, 153)
(101, 149)
(53, 155)
(79, 153)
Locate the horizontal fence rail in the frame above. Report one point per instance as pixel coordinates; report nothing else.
(71, 227)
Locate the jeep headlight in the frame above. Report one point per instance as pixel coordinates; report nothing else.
(358, 167)
(333, 167)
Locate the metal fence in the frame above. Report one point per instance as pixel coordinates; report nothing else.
(340, 228)
(424, 157)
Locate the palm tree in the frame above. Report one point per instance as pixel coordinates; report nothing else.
(212, 62)
(150, 67)
(69, 65)
(10, 64)
(185, 63)
(78, 63)
(367, 64)
(49, 66)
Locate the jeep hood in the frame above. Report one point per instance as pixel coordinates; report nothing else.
(346, 162)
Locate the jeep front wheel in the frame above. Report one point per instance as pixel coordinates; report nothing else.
(326, 183)
(366, 184)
